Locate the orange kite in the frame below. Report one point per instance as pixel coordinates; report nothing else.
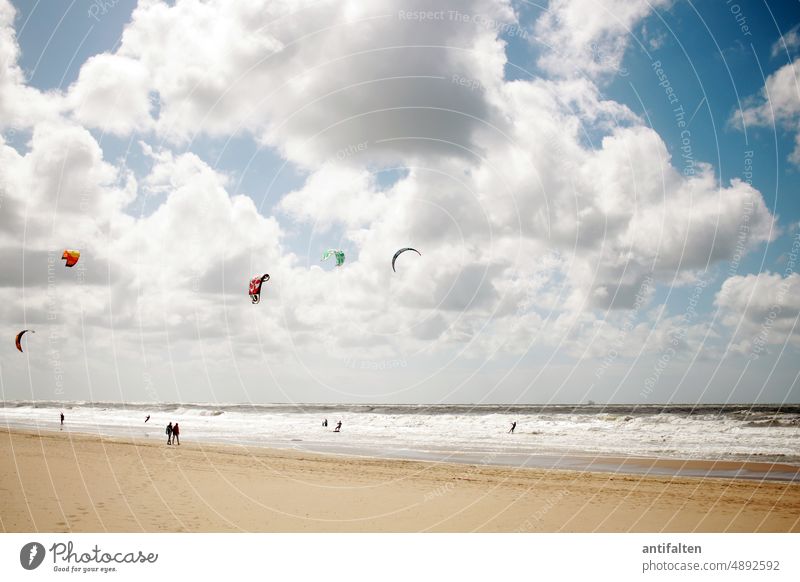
(71, 257)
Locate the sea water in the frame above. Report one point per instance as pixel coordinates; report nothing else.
(561, 436)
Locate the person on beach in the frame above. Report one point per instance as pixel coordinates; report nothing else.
(169, 433)
(176, 433)
(338, 426)
(62, 419)
(325, 422)
(513, 426)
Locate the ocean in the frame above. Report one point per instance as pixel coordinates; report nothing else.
(584, 437)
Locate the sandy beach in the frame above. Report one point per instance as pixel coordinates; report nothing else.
(63, 482)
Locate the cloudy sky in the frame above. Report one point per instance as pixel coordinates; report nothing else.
(604, 193)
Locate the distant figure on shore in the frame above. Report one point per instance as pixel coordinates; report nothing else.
(513, 426)
(62, 419)
(325, 422)
(148, 418)
(176, 433)
(338, 426)
(169, 433)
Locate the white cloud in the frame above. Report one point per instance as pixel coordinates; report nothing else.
(589, 37)
(61, 189)
(779, 99)
(540, 207)
(112, 94)
(314, 80)
(778, 105)
(615, 212)
(337, 194)
(761, 310)
(787, 43)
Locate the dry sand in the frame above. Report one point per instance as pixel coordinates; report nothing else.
(60, 482)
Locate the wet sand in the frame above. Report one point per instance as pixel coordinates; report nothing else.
(62, 482)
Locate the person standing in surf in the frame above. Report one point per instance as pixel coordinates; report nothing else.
(62, 419)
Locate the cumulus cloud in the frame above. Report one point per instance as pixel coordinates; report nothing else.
(777, 105)
(61, 189)
(314, 79)
(779, 99)
(112, 94)
(589, 37)
(541, 208)
(762, 311)
(614, 212)
(788, 42)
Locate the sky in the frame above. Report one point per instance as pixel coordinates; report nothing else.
(604, 194)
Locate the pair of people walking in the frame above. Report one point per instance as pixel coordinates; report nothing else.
(173, 434)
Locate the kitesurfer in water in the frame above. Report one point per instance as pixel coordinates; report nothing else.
(148, 418)
(325, 422)
(338, 426)
(513, 426)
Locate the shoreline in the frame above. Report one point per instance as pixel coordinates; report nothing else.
(574, 461)
(763, 445)
(68, 482)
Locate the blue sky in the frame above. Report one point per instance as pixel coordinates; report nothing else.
(484, 315)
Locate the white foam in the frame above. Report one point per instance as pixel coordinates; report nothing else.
(682, 436)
